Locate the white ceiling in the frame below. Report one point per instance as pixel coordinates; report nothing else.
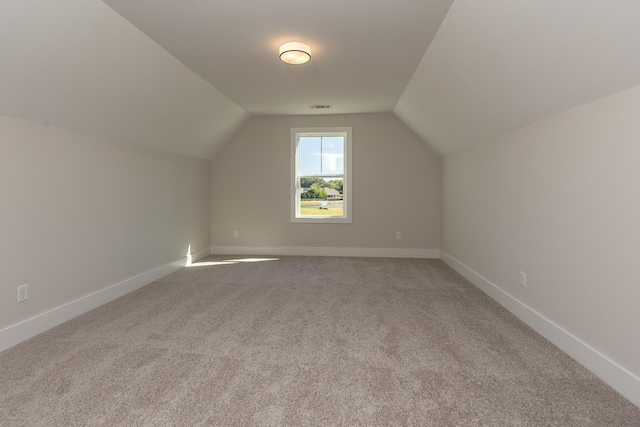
(363, 52)
(498, 65)
(493, 65)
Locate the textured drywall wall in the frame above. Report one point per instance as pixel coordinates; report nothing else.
(560, 201)
(395, 187)
(79, 213)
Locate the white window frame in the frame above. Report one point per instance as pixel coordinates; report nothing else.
(296, 133)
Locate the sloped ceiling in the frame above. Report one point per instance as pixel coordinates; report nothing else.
(363, 52)
(498, 65)
(79, 65)
(456, 74)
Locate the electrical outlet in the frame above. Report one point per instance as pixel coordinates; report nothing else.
(23, 293)
(523, 279)
(235, 234)
(398, 235)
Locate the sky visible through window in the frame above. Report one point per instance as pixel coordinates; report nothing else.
(321, 155)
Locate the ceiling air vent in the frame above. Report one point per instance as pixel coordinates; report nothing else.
(319, 107)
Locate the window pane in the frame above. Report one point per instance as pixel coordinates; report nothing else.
(310, 158)
(333, 155)
(321, 197)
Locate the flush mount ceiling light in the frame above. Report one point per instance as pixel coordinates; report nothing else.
(295, 53)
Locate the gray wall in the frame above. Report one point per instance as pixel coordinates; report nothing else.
(395, 187)
(79, 213)
(560, 201)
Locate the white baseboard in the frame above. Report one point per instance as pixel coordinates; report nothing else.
(26, 329)
(623, 381)
(327, 251)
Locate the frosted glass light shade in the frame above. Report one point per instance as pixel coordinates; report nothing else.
(295, 53)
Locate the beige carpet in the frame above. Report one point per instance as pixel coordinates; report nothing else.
(302, 341)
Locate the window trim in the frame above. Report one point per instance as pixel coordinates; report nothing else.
(347, 187)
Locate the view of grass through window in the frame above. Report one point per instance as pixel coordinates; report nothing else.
(321, 197)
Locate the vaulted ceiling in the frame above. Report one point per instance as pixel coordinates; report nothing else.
(183, 75)
(79, 65)
(363, 53)
(498, 65)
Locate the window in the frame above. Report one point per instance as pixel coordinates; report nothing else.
(321, 175)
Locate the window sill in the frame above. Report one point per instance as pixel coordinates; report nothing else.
(320, 220)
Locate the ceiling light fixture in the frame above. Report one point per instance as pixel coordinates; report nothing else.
(295, 53)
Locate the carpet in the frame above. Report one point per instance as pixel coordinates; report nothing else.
(302, 341)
